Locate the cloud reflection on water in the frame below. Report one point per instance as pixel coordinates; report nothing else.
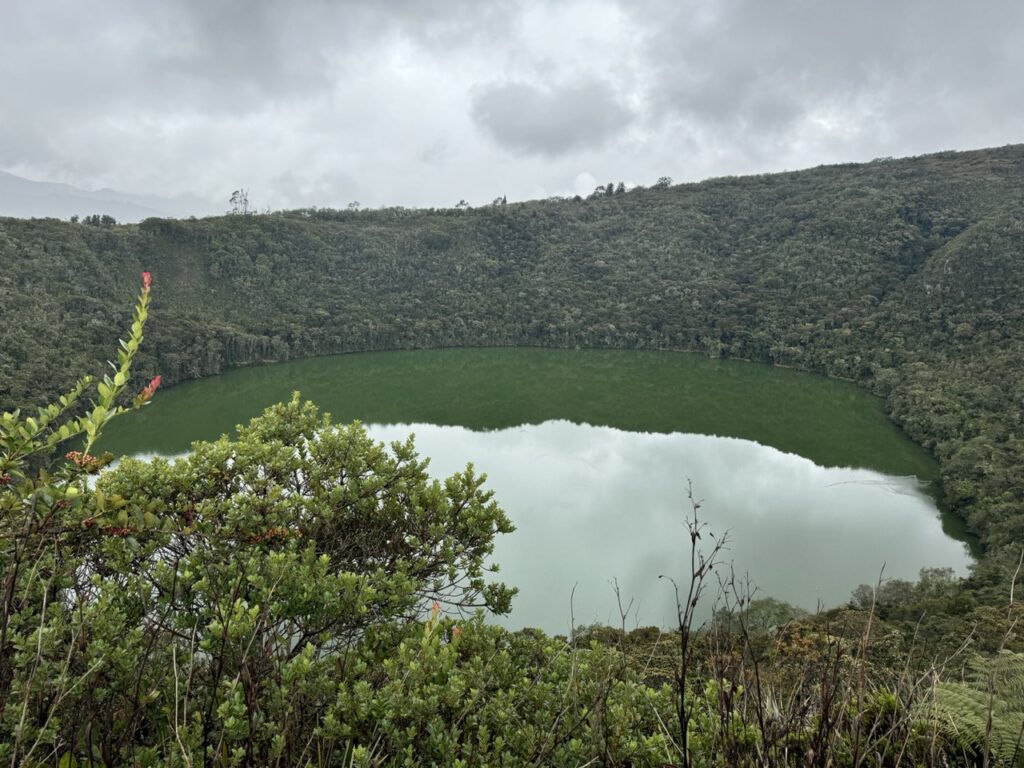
(596, 503)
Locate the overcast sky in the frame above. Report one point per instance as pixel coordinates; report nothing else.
(397, 102)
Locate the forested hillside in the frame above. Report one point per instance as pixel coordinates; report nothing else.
(904, 275)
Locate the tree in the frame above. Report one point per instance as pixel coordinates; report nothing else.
(232, 584)
(304, 488)
(240, 202)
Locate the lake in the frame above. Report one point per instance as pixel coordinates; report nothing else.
(590, 453)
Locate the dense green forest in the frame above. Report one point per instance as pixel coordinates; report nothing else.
(298, 595)
(906, 276)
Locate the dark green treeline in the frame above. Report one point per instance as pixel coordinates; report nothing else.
(906, 276)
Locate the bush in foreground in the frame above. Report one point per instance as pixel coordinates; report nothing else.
(298, 596)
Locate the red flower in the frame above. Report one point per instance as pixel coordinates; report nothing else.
(148, 390)
(147, 280)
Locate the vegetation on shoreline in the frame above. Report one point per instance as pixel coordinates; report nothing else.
(905, 276)
(144, 621)
(257, 603)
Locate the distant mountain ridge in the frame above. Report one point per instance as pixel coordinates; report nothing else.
(24, 198)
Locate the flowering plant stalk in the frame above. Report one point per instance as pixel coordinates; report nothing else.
(46, 514)
(23, 437)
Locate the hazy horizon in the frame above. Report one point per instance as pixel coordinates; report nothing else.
(327, 104)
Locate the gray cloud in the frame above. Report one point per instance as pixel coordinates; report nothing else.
(765, 76)
(550, 120)
(319, 102)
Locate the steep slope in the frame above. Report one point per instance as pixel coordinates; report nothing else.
(903, 275)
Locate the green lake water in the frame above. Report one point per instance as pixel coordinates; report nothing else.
(590, 452)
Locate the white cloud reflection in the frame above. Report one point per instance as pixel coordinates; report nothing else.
(596, 503)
